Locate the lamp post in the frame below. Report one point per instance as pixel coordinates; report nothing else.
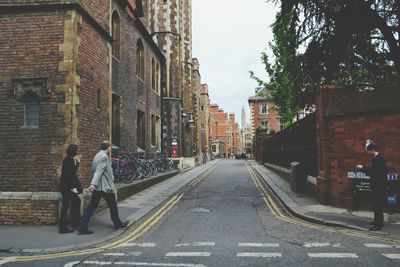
(191, 126)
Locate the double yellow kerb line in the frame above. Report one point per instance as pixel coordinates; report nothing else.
(135, 234)
(281, 214)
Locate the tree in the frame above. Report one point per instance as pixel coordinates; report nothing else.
(284, 72)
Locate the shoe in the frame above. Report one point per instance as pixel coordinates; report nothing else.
(122, 226)
(65, 231)
(375, 228)
(85, 232)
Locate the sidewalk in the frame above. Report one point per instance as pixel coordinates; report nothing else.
(42, 239)
(307, 208)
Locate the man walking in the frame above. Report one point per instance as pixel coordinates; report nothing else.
(378, 174)
(102, 186)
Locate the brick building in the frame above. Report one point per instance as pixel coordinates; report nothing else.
(68, 76)
(170, 24)
(263, 114)
(223, 128)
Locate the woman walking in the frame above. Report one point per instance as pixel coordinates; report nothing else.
(70, 187)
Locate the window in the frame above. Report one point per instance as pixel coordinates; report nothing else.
(214, 148)
(141, 129)
(158, 132)
(153, 130)
(202, 126)
(31, 113)
(158, 79)
(116, 47)
(153, 74)
(263, 109)
(264, 124)
(116, 120)
(98, 97)
(140, 60)
(202, 108)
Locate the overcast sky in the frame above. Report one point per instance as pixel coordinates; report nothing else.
(228, 38)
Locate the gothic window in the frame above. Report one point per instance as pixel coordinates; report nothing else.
(116, 47)
(98, 97)
(140, 60)
(141, 129)
(116, 120)
(158, 79)
(153, 130)
(153, 74)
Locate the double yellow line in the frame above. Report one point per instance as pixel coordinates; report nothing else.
(278, 213)
(139, 231)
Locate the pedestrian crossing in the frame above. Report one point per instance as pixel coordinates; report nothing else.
(247, 250)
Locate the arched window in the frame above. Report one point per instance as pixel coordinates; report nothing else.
(140, 60)
(116, 47)
(153, 75)
(158, 78)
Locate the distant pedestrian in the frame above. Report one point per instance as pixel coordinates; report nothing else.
(204, 157)
(102, 186)
(70, 187)
(378, 176)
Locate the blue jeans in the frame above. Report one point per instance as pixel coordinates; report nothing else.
(94, 202)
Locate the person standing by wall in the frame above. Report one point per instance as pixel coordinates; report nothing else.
(378, 174)
(102, 186)
(70, 187)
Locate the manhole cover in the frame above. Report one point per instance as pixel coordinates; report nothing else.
(200, 210)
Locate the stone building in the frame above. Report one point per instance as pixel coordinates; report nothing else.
(204, 120)
(170, 24)
(71, 72)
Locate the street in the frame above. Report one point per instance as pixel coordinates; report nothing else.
(228, 217)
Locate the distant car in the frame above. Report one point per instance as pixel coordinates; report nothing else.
(240, 156)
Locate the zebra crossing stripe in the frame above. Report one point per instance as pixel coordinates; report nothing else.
(258, 255)
(188, 254)
(320, 245)
(141, 245)
(115, 254)
(332, 255)
(269, 245)
(143, 264)
(392, 256)
(378, 246)
(197, 244)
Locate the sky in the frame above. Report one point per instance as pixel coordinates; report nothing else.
(228, 38)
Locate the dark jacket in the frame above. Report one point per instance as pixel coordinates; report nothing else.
(378, 174)
(69, 178)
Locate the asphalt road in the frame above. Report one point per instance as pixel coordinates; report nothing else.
(228, 218)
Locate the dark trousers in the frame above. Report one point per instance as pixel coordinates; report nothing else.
(378, 216)
(94, 202)
(73, 202)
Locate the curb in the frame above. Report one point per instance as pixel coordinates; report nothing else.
(116, 233)
(302, 216)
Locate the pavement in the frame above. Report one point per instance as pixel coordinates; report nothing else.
(307, 208)
(44, 239)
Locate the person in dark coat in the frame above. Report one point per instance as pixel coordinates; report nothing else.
(378, 176)
(70, 187)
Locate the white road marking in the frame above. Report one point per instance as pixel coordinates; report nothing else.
(8, 259)
(71, 264)
(392, 256)
(141, 245)
(144, 264)
(268, 245)
(332, 255)
(188, 254)
(320, 245)
(378, 246)
(197, 244)
(115, 254)
(258, 255)
(136, 254)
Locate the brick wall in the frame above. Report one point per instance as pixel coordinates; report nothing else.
(345, 119)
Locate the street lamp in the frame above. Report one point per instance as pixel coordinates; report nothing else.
(191, 126)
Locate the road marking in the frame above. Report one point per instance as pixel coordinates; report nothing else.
(136, 254)
(98, 262)
(197, 244)
(258, 255)
(7, 259)
(114, 254)
(392, 256)
(140, 245)
(188, 254)
(320, 245)
(266, 245)
(72, 264)
(378, 245)
(332, 255)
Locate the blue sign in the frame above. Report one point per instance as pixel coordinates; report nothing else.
(392, 199)
(392, 177)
